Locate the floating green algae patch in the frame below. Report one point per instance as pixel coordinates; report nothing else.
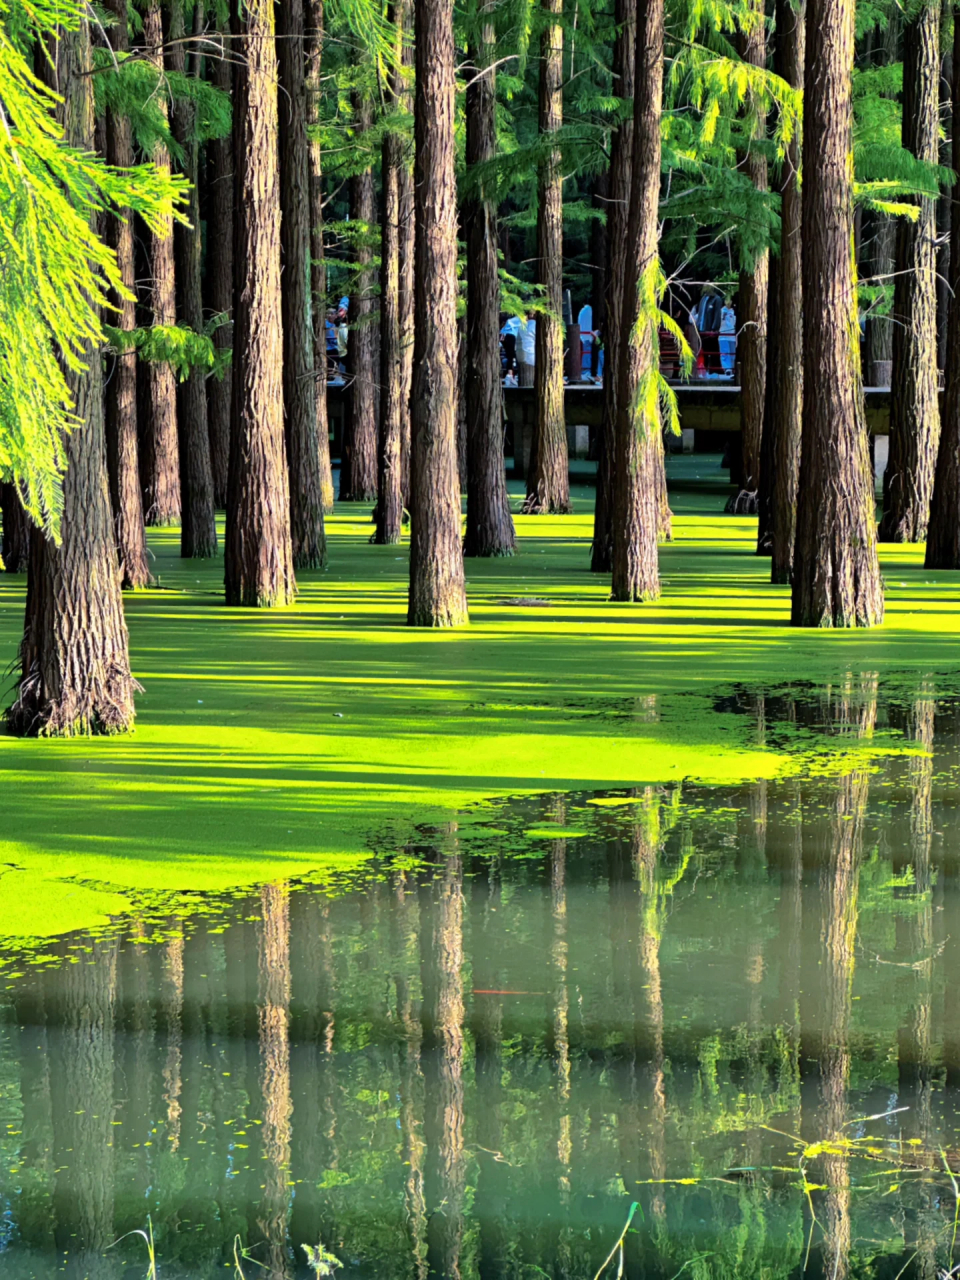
(271, 744)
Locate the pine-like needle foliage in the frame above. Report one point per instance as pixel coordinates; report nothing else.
(55, 273)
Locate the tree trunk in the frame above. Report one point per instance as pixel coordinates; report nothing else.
(160, 450)
(752, 345)
(258, 556)
(299, 396)
(437, 593)
(16, 530)
(220, 215)
(836, 574)
(75, 668)
(943, 535)
(407, 299)
(880, 260)
(489, 523)
(198, 537)
(389, 514)
(618, 216)
(914, 404)
(318, 272)
(121, 389)
(638, 457)
(548, 476)
(358, 466)
(786, 365)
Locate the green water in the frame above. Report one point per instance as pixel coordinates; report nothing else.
(738, 1007)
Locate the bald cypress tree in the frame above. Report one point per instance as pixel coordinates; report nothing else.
(220, 180)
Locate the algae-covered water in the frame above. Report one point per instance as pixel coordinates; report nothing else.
(736, 1006)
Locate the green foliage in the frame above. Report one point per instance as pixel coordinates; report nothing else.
(177, 345)
(56, 273)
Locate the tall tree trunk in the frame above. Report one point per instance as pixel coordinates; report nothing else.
(785, 367)
(437, 591)
(160, 450)
(879, 256)
(943, 535)
(358, 466)
(489, 523)
(753, 292)
(389, 514)
(914, 403)
(318, 272)
(198, 537)
(639, 444)
(548, 477)
(836, 573)
(618, 216)
(220, 218)
(121, 390)
(16, 530)
(299, 396)
(258, 556)
(74, 663)
(406, 305)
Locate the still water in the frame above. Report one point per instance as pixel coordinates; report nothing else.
(737, 1008)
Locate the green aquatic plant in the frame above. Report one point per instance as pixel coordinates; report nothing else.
(320, 1261)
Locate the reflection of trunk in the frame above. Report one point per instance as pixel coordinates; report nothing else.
(652, 1084)
(618, 216)
(318, 271)
(220, 189)
(274, 1002)
(160, 451)
(358, 467)
(171, 1012)
(35, 1221)
(120, 407)
(489, 523)
(560, 1032)
(441, 961)
(138, 1057)
(16, 530)
(82, 1098)
(548, 477)
(491, 1202)
(406, 918)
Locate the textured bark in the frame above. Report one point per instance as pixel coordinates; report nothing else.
(393, 408)
(159, 446)
(880, 263)
(836, 573)
(274, 1028)
(914, 404)
(220, 215)
(943, 535)
(618, 213)
(358, 466)
(638, 455)
(258, 557)
(407, 300)
(437, 593)
(489, 523)
(318, 272)
(121, 390)
(548, 477)
(75, 669)
(299, 395)
(198, 537)
(752, 342)
(785, 383)
(16, 530)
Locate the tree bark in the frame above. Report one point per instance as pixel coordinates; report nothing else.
(548, 477)
(752, 345)
(618, 215)
(258, 556)
(160, 450)
(836, 574)
(16, 530)
(299, 395)
(198, 536)
(220, 214)
(437, 591)
(489, 522)
(785, 365)
(121, 389)
(393, 409)
(358, 466)
(406, 304)
(638, 456)
(914, 403)
(74, 663)
(943, 535)
(318, 272)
